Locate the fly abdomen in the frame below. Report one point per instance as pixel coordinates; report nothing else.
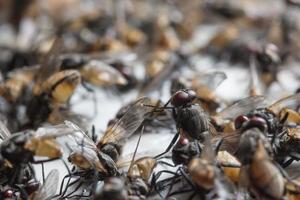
(109, 164)
(112, 150)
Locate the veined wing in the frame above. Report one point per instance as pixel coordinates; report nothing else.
(53, 131)
(128, 123)
(243, 106)
(209, 80)
(84, 153)
(292, 101)
(48, 189)
(80, 137)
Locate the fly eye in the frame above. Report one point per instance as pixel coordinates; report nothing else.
(180, 98)
(9, 193)
(183, 97)
(238, 122)
(257, 122)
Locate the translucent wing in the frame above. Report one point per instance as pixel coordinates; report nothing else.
(128, 123)
(48, 189)
(229, 142)
(48, 66)
(209, 80)
(100, 73)
(85, 148)
(4, 132)
(80, 137)
(292, 102)
(163, 75)
(53, 131)
(243, 106)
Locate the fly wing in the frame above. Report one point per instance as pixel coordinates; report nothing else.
(80, 137)
(292, 102)
(49, 65)
(84, 148)
(157, 81)
(4, 132)
(243, 106)
(53, 131)
(128, 123)
(209, 80)
(48, 189)
(229, 142)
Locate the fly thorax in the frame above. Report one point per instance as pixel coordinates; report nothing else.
(193, 120)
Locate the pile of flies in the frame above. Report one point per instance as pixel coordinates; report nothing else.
(54, 54)
(98, 159)
(19, 152)
(135, 183)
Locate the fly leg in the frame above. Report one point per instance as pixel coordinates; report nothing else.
(76, 189)
(173, 142)
(161, 185)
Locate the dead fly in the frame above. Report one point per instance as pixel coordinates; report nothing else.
(93, 71)
(135, 183)
(228, 119)
(204, 84)
(20, 148)
(273, 117)
(38, 89)
(18, 152)
(192, 122)
(162, 64)
(156, 62)
(204, 175)
(103, 156)
(16, 82)
(184, 151)
(259, 172)
(272, 120)
(49, 187)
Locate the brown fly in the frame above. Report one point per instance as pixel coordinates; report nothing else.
(103, 155)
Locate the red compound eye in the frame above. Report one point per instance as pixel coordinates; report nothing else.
(239, 121)
(180, 98)
(9, 193)
(183, 97)
(257, 122)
